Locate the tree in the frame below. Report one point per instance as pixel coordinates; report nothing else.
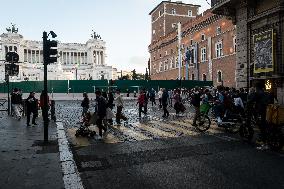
(146, 75)
(134, 75)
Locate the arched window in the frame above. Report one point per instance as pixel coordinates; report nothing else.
(204, 77)
(219, 76)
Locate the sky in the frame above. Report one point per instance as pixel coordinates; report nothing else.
(125, 25)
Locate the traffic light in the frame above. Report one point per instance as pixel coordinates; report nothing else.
(50, 51)
(12, 57)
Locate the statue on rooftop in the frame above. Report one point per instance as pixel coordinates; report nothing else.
(13, 29)
(94, 35)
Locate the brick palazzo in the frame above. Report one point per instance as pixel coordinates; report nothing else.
(213, 36)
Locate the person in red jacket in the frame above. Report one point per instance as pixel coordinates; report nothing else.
(141, 103)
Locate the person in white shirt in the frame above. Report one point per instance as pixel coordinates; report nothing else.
(119, 106)
(160, 93)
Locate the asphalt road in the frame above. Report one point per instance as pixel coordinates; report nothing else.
(170, 153)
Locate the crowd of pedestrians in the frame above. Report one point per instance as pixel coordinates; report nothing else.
(223, 100)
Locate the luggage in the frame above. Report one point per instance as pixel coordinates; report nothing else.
(275, 114)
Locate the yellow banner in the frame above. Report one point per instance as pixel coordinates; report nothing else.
(263, 47)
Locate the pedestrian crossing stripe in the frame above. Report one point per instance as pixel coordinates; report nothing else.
(134, 134)
(155, 131)
(111, 139)
(175, 128)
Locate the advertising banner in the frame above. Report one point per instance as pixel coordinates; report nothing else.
(263, 46)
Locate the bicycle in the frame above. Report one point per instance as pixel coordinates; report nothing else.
(231, 123)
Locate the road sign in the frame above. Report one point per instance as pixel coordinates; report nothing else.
(11, 69)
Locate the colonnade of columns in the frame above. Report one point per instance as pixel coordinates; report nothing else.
(73, 57)
(99, 58)
(33, 56)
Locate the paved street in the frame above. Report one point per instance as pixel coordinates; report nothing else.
(157, 153)
(25, 162)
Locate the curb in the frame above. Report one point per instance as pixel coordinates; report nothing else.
(71, 176)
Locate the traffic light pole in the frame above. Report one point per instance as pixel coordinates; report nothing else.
(45, 101)
(8, 92)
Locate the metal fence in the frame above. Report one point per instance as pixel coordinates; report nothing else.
(89, 86)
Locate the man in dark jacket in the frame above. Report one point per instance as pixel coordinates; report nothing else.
(196, 104)
(32, 107)
(165, 97)
(100, 111)
(85, 104)
(16, 101)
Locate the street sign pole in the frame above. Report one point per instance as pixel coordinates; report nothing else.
(45, 101)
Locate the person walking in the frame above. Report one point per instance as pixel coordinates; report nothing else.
(85, 104)
(177, 99)
(101, 112)
(41, 103)
(165, 98)
(16, 102)
(152, 96)
(32, 108)
(146, 97)
(160, 93)
(109, 108)
(170, 92)
(195, 101)
(119, 106)
(141, 102)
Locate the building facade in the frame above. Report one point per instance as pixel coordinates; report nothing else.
(75, 60)
(210, 38)
(260, 32)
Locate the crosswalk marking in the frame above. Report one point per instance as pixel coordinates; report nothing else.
(136, 135)
(155, 131)
(175, 128)
(111, 139)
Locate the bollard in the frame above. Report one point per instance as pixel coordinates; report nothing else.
(52, 110)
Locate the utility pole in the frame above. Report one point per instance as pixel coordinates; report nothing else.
(49, 56)
(179, 50)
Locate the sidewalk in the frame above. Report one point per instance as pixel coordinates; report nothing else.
(24, 161)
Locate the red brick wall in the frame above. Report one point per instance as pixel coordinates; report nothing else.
(226, 63)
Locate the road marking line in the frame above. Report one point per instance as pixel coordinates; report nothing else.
(71, 176)
(134, 134)
(178, 129)
(111, 139)
(155, 131)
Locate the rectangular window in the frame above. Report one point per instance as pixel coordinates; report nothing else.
(203, 54)
(219, 49)
(161, 67)
(219, 31)
(235, 44)
(191, 42)
(190, 13)
(173, 11)
(202, 37)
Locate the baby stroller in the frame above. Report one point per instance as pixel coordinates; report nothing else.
(84, 130)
